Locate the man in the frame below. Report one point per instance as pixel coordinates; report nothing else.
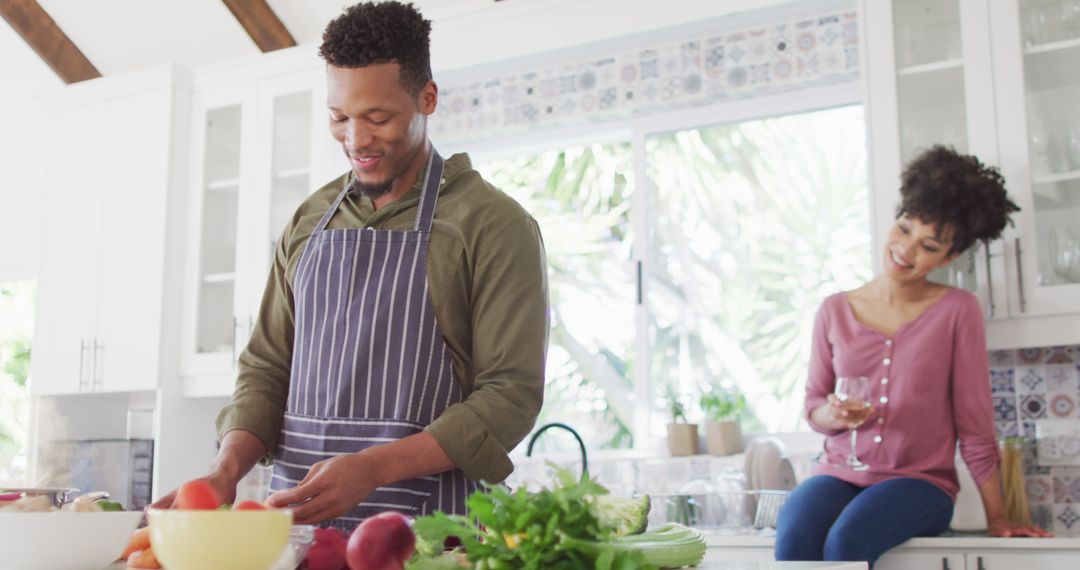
(399, 350)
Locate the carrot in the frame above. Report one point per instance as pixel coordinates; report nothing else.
(143, 559)
(140, 540)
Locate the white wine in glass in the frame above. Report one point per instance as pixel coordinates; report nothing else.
(853, 392)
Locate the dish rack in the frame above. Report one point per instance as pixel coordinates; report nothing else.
(768, 504)
(731, 510)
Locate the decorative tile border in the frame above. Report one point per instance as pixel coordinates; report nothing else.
(710, 69)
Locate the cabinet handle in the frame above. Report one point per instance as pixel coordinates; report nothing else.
(944, 564)
(989, 286)
(640, 288)
(235, 324)
(82, 363)
(1020, 276)
(980, 560)
(94, 365)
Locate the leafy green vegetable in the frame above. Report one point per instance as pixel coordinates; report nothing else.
(109, 505)
(670, 546)
(522, 530)
(625, 515)
(448, 561)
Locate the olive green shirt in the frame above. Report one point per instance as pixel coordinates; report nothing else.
(487, 279)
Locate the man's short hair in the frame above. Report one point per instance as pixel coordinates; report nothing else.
(370, 33)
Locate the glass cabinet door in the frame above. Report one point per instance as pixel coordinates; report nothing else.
(931, 96)
(1050, 38)
(215, 327)
(290, 163)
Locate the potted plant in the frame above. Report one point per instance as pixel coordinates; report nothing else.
(681, 434)
(723, 435)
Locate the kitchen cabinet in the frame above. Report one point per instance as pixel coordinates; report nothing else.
(101, 281)
(901, 560)
(257, 153)
(998, 560)
(928, 553)
(1038, 42)
(946, 72)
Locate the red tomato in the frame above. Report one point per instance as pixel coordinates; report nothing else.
(249, 506)
(197, 495)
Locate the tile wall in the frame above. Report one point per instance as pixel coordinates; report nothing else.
(1035, 385)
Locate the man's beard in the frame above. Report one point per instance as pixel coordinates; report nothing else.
(371, 190)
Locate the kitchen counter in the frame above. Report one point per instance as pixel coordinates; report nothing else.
(782, 566)
(726, 566)
(960, 542)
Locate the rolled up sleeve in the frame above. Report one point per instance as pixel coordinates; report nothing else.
(262, 385)
(509, 301)
(973, 410)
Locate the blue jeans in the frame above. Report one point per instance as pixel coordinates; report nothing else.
(825, 518)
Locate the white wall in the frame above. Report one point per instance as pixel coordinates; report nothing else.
(528, 27)
(24, 78)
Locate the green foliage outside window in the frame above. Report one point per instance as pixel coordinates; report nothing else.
(16, 321)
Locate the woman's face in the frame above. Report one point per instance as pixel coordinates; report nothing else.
(913, 249)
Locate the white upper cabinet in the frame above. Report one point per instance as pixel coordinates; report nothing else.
(993, 78)
(101, 293)
(257, 154)
(1036, 53)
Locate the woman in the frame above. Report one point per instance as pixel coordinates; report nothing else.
(923, 348)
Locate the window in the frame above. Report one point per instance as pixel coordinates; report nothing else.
(753, 224)
(741, 229)
(16, 332)
(581, 198)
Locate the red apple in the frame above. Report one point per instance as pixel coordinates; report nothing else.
(328, 551)
(382, 542)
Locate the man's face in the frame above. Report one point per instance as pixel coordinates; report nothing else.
(381, 126)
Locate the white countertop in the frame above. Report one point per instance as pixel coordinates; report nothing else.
(782, 566)
(722, 566)
(965, 542)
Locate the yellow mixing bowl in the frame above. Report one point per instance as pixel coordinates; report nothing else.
(202, 540)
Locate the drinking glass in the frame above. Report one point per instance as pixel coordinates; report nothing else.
(853, 392)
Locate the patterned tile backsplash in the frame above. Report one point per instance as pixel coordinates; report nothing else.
(724, 65)
(1036, 392)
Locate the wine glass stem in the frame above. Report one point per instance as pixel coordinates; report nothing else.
(854, 459)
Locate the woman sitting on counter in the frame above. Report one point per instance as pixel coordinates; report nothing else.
(899, 374)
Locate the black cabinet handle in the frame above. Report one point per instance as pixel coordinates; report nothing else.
(980, 564)
(944, 563)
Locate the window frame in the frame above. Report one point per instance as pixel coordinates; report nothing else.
(637, 131)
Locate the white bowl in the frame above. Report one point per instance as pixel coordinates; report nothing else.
(64, 540)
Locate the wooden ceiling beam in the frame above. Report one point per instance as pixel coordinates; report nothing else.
(52, 45)
(261, 23)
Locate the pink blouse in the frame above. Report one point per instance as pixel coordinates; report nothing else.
(931, 388)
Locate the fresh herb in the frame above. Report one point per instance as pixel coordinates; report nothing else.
(676, 407)
(109, 505)
(720, 406)
(532, 531)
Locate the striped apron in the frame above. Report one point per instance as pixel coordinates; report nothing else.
(369, 365)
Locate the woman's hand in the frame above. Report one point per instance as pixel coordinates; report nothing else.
(1002, 527)
(833, 416)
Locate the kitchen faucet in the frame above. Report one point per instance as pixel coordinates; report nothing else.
(573, 432)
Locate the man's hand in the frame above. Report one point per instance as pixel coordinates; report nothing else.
(1002, 527)
(239, 452)
(331, 489)
(224, 485)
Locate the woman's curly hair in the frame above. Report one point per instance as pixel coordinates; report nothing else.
(381, 32)
(949, 189)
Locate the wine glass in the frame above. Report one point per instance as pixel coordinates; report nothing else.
(853, 392)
